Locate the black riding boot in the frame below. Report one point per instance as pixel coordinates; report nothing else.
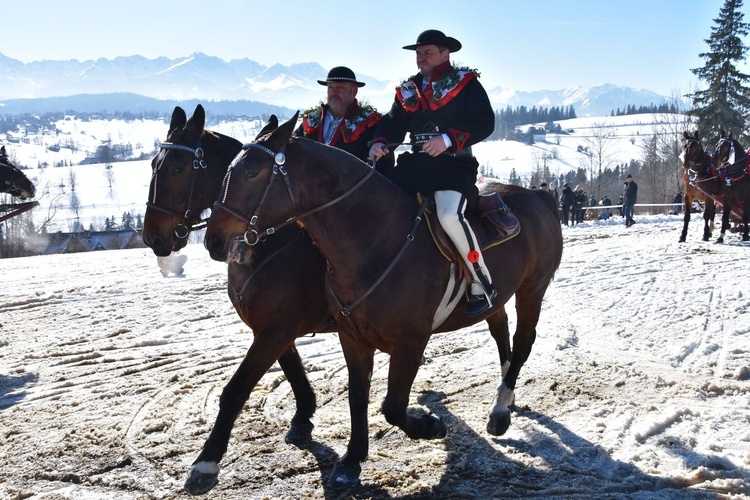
(477, 304)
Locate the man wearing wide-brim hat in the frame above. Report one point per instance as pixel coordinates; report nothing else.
(342, 121)
(446, 110)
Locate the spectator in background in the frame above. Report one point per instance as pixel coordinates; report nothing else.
(606, 211)
(556, 195)
(619, 202)
(629, 199)
(566, 203)
(676, 204)
(579, 203)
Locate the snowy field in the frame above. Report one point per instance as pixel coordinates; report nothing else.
(638, 385)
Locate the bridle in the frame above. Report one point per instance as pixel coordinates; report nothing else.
(690, 165)
(189, 220)
(730, 160)
(252, 234)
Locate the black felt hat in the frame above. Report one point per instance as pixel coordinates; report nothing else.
(341, 74)
(435, 37)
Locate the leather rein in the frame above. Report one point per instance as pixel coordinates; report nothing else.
(189, 221)
(252, 235)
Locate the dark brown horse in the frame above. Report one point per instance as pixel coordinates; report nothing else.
(732, 159)
(12, 179)
(387, 280)
(278, 293)
(701, 182)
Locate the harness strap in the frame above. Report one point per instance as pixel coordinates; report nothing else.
(346, 310)
(239, 294)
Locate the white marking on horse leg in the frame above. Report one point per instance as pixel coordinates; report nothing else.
(504, 369)
(503, 398)
(207, 468)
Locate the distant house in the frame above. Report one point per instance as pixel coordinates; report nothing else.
(88, 241)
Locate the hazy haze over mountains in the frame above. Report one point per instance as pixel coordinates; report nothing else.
(199, 76)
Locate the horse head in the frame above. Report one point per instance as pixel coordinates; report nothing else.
(186, 175)
(729, 154)
(247, 199)
(12, 179)
(693, 155)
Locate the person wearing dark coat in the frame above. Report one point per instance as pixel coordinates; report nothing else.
(629, 199)
(446, 110)
(342, 121)
(567, 199)
(579, 202)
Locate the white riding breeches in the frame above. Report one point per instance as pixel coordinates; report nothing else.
(450, 206)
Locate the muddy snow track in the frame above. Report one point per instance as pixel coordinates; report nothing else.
(110, 377)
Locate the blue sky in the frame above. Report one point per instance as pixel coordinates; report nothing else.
(519, 45)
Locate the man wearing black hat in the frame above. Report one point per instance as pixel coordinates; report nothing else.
(446, 110)
(629, 198)
(343, 122)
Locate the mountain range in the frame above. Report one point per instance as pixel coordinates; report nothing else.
(203, 77)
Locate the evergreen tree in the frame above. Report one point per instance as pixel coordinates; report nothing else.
(726, 101)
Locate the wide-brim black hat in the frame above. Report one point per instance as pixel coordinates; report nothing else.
(341, 74)
(435, 37)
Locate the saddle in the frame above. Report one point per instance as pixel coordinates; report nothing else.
(493, 223)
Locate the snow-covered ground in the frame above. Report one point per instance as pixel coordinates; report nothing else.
(638, 385)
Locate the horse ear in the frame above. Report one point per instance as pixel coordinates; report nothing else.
(282, 134)
(272, 124)
(730, 136)
(178, 119)
(686, 135)
(197, 122)
(722, 134)
(2, 151)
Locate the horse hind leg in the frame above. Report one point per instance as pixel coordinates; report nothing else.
(528, 309)
(498, 326)
(402, 371)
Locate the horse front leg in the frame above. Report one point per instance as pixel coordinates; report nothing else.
(528, 310)
(204, 474)
(686, 218)
(709, 214)
(300, 430)
(359, 362)
(724, 219)
(402, 370)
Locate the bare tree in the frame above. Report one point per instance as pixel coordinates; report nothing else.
(72, 180)
(600, 145)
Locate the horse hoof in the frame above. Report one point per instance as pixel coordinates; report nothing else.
(299, 433)
(437, 429)
(498, 423)
(344, 475)
(203, 477)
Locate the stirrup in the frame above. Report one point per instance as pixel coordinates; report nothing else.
(477, 304)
